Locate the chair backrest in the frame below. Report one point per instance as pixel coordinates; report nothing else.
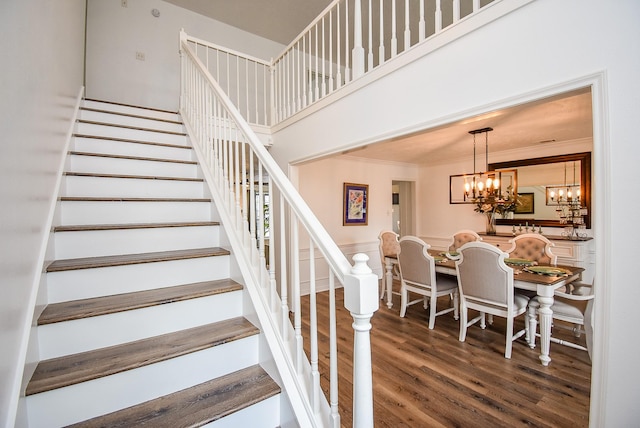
(461, 237)
(388, 245)
(533, 246)
(483, 276)
(416, 265)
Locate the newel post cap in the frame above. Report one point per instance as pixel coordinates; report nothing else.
(361, 287)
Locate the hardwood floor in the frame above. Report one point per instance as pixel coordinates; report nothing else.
(427, 378)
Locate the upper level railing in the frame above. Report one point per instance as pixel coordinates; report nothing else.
(254, 199)
(349, 39)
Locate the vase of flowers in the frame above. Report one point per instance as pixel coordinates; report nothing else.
(492, 204)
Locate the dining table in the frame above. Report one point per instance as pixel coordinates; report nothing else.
(544, 285)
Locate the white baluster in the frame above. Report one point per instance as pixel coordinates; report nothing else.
(438, 16)
(331, 85)
(284, 289)
(407, 30)
(313, 333)
(421, 24)
(370, 57)
(381, 47)
(358, 50)
(338, 71)
(456, 10)
(297, 318)
(394, 37)
(333, 353)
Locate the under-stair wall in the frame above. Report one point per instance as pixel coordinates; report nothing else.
(145, 316)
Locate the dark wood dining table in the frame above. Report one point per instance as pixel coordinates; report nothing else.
(544, 286)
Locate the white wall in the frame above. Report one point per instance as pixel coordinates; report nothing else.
(116, 33)
(533, 50)
(41, 76)
(321, 185)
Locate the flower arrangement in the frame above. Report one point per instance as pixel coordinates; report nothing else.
(493, 203)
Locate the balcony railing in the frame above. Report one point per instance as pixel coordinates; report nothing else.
(348, 40)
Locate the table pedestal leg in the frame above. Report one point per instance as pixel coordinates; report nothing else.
(388, 281)
(545, 316)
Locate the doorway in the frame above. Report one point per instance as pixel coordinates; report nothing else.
(403, 207)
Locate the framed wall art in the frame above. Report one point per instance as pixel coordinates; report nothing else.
(354, 201)
(526, 203)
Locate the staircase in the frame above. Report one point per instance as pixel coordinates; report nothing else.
(143, 323)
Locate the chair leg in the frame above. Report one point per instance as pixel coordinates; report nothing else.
(509, 344)
(404, 297)
(463, 324)
(532, 318)
(432, 309)
(456, 305)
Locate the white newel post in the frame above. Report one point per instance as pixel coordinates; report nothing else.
(361, 299)
(358, 49)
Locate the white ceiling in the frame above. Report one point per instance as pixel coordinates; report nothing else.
(562, 118)
(277, 20)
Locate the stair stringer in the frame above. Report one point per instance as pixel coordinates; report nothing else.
(247, 272)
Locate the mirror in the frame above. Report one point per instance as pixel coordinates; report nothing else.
(541, 181)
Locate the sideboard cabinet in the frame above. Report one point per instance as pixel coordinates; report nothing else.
(579, 253)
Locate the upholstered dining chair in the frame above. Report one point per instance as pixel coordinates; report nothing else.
(418, 275)
(575, 308)
(533, 246)
(486, 285)
(388, 246)
(461, 237)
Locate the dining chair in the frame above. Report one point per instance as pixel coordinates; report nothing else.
(533, 246)
(389, 247)
(461, 237)
(574, 307)
(486, 285)
(418, 275)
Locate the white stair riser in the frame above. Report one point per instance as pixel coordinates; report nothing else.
(137, 111)
(98, 145)
(132, 134)
(118, 119)
(93, 212)
(265, 414)
(106, 165)
(86, 283)
(70, 337)
(131, 187)
(78, 402)
(92, 243)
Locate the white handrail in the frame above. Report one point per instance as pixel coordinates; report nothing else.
(237, 168)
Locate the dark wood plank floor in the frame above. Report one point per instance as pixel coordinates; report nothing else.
(427, 378)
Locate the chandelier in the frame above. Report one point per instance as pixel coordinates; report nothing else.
(481, 185)
(568, 206)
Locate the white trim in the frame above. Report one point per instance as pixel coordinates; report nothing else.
(20, 374)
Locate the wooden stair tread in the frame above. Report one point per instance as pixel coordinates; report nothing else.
(129, 140)
(142, 158)
(92, 227)
(130, 259)
(135, 116)
(137, 128)
(120, 199)
(138, 177)
(195, 406)
(72, 369)
(85, 308)
(130, 105)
